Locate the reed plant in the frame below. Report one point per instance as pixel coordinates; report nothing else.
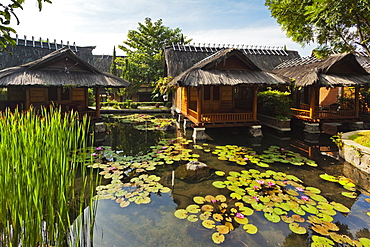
(41, 157)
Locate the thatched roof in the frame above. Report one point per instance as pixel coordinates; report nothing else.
(181, 57)
(59, 68)
(336, 70)
(210, 71)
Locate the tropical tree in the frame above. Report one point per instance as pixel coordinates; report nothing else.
(7, 13)
(144, 61)
(336, 26)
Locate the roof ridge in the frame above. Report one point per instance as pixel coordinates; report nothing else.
(247, 49)
(298, 61)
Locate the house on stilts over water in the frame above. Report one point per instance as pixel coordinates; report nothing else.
(327, 91)
(59, 78)
(217, 86)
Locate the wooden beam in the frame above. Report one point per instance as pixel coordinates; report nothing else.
(97, 101)
(357, 101)
(313, 91)
(199, 103)
(27, 103)
(255, 91)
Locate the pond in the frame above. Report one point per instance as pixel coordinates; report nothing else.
(247, 197)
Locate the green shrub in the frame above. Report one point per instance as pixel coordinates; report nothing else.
(274, 103)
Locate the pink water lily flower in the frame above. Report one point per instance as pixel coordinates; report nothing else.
(214, 201)
(271, 183)
(246, 158)
(94, 154)
(260, 181)
(256, 198)
(256, 187)
(239, 215)
(305, 198)
(299, 189)
(98, 148)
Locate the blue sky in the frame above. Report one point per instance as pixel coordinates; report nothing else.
(105, 23)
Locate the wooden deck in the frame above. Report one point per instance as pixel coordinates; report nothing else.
(215, 120)
(323, 113)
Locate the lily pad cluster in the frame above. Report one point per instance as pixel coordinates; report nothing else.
(244, 156)
(147, 122)
(175, 150)
(137, 190)
(280, 197)
(347, 184)
(121, 168)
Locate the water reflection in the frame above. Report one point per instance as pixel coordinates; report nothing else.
(155, 225)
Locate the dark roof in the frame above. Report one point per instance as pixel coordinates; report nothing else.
(59, 68)
(180, 57)
(336, 70)
(207, 72)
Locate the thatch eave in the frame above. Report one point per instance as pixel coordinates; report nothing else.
(37, 73)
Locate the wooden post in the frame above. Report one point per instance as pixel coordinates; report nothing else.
(357, 101)
(255, 91)
(86, 97)
(199, 103)
(312, 102)
(97, 101)
(27, 103)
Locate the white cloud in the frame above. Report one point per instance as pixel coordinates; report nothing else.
(105, 23)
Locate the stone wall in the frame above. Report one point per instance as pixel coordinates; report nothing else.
(354, 153)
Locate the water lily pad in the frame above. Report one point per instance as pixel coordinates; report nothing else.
(207, 208)
(349, 194)
(192, 218)
(365, 242)
(330, 226)
(287, 219)
(325, 217)
(181, 213)
(298, 218)
(246, 211)
(205, 215)
(250, 228)
(313, 190)
(199, 199)
(310, 209)
(217, 217)
(328, 177)
(222, 229)
(296, 228)
(165, 190)
(209, 198)
(124, 204)
(340, 207)
(219, 184)
(320, 229)
(210, 224)
(221, 198)
(241, 221)
(272, 217)
(218, 238)
(193, 208)
(321, 241)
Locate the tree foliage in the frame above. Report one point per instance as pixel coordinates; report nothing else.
(7, 13)
(144, 61)
(336, 26)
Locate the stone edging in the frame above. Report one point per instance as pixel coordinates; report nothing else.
(354, 153)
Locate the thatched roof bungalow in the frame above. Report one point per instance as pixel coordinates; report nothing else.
(217, 87)
(322, 82)
(60, 77)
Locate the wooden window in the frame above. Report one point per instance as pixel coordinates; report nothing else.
(216, 93)
(207, 93)
(53, 94)
(66, 93)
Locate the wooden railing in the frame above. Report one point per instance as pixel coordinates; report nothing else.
(226, 117)
(193, 114)
(300, 113)
(324, 112)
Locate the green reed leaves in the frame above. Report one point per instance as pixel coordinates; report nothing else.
(40, 162)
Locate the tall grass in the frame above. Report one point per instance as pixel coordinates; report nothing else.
(41, 156)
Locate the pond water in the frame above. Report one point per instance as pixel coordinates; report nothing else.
(154, 224)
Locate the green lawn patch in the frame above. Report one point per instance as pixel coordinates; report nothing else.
(362, 138)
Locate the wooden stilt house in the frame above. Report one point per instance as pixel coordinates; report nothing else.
(60, 78)
(218, 88)
(321, 87)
